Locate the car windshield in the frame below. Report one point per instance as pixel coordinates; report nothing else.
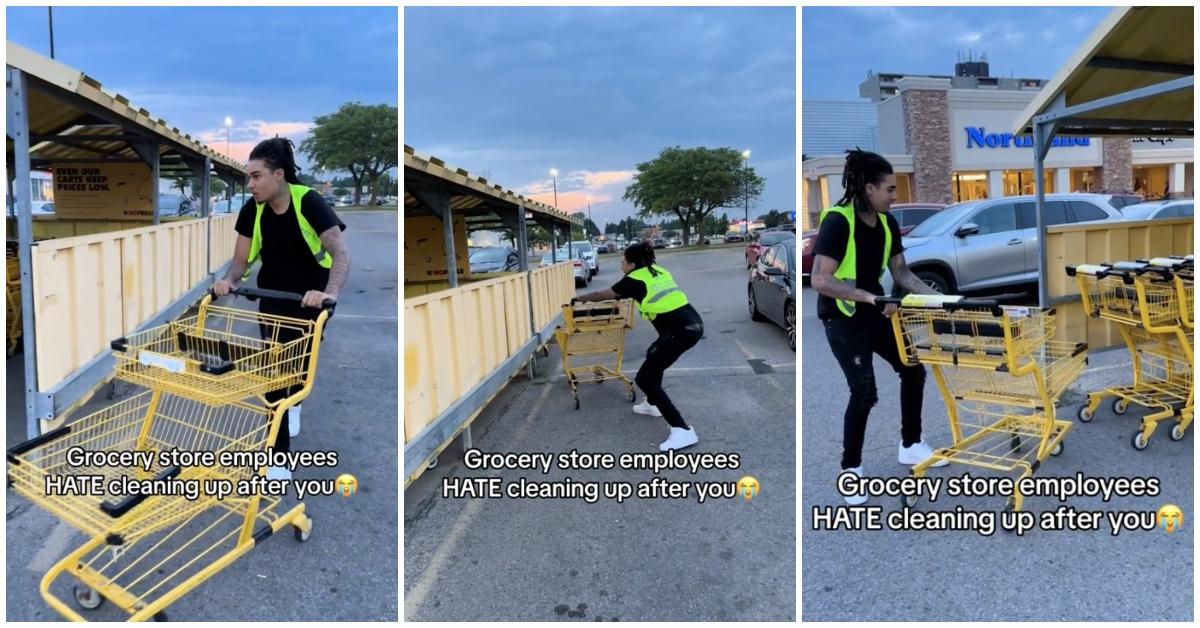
(769, 239)
(562, 255)
(941, 221)
(485, 256)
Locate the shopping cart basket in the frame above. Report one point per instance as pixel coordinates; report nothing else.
(999, 375)
(220, 354)
(594, 332)
(12, 310)
(1150, 301)
(147, 549)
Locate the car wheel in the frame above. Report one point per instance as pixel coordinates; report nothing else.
(753, 303)
(580, 283)
(934, 280)
(789, 320)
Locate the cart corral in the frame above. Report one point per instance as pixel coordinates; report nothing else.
(466, 335)
(95, 272)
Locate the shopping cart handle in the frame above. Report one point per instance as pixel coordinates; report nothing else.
(120, 344)
(279, 295)
(32, 443)
(119, 509)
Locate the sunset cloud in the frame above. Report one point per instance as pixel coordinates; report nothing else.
(577, 187)
(245, 136)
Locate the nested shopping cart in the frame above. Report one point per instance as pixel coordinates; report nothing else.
(12, 310)
(999, 373)
(1152, 304)
(592, 341)
(147, 549)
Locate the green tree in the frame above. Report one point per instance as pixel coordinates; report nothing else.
(357, 138)
(578, 233)
(691, 183)
(773, 218)
(341, 191)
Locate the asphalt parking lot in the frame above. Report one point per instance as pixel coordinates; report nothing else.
(643, 559)
(963, 576)
(347, 570)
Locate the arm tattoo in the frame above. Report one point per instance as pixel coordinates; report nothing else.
(905, 277)
(336, 246)
(825, 283)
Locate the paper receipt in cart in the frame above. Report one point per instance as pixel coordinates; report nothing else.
(158, 360)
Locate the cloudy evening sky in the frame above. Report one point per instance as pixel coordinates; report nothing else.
(842, 44)
(271, 69)
(509, 93)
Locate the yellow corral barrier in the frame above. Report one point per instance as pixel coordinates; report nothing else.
(1096, 244)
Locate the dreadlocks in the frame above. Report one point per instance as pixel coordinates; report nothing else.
(862, 167)
(641, 256)
(278, 153)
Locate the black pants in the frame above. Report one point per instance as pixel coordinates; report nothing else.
(285, 335)
(854, 341)
(659, 357)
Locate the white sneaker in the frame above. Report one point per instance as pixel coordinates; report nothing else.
(278, 473)
(294, 421)
(679, 438)
(918, 453)
(645, 408)
(861, 498)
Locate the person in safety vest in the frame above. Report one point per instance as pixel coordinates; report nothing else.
(298, 237)
(858, 239)
(679, 327)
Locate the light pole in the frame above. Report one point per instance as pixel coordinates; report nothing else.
(746, 189)
(554, 177)
(228, 125)
(589, 213)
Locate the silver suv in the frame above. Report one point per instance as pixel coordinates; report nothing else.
(990, 244)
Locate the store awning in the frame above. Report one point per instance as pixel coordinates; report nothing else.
(72, 118)
(470, 196)
(1132, 77)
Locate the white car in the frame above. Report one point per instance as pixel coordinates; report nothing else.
(582, 275)
(1154, 210)
(224, 206)
(589, 254)
(42, 208)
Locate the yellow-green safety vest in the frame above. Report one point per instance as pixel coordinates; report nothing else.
(848, 269)
(311, 237)
(662, 295)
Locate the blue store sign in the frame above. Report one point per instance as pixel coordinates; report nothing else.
(978, 137)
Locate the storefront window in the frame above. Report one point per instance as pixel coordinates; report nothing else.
(1151, 181)
(1084, 180)
(1020, 182)
(969, 186)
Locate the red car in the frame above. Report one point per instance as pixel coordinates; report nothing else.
(909, 215)
(762, 241)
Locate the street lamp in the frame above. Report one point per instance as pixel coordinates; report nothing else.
(746, 188)
(554, 176)
(228, 125)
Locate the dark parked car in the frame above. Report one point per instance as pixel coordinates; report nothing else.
(762, 241)
(772, 289)
(495, 259)
(659, 243)
(735, 237)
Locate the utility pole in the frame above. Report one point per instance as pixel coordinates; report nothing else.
(50, 12)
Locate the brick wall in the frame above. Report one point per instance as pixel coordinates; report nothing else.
(927, 136)
(1116, 175)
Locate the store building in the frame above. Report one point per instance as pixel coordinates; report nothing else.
(950, 139)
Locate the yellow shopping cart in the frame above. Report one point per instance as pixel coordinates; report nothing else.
(158, 530)
(999, 374)
(594, 332)
(1151, 304)
(12, 310)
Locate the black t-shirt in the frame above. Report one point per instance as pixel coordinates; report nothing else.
(665, 323)
(287, 262)
(868, 242)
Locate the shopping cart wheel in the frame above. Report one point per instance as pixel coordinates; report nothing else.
(301, 535)
(576, 402)
(1138, 442)
(87, 597)
(161, 616)
(1120, 406)
(1177, 432)
(599, 376)
(1085, 415)
(909, 501)
(632, 395)
(1057, 449)
(433, 462)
